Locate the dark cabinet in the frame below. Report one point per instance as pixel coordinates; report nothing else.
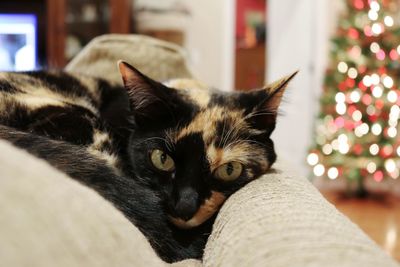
(71, 24)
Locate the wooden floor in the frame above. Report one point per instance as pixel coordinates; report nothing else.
(379, 217)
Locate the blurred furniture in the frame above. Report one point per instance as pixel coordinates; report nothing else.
(250, 67)
(173, 36)
(37, 8)
(74, 23)
(278, 220)
(166, 21)
(250, 38)
(377, 215)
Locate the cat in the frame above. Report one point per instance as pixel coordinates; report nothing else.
(166, 155)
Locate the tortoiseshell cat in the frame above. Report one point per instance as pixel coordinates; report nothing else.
(166, 155)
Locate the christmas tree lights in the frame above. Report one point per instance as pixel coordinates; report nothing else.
(357, 132)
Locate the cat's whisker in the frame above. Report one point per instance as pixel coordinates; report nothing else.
(222, 135)
(170, 140)
(234, 130)
(230, 132)
(257, 113)
(243, 141)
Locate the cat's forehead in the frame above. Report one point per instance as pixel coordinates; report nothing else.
(210, 122)
(203, 97)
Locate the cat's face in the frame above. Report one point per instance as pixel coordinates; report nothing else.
(197, 146)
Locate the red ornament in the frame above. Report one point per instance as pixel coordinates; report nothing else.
(357, 149)
(350, 82)
(382, 70)
(351, 109)
(373, 118)
(353, 33)
(362, 69)
(359, 4)
(366, 99)
(386, 151)
(342, 86)
(349, 125)
(379, 104)
(362, 86)
(393, 55)
(378, 176)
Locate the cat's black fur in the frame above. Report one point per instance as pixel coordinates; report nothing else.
(101, 135)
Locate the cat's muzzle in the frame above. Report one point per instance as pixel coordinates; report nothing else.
(205, 211)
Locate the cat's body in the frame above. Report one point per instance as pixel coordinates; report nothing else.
(59, 117)
(166, 158)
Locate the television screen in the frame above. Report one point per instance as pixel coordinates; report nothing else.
(18, 44)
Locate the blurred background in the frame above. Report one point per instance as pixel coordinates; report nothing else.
(339, 123)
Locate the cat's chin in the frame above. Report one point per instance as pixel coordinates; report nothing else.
(205, 212)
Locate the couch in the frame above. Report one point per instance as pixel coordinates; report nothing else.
(280, 219)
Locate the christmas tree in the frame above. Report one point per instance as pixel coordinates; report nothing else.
(357, 130)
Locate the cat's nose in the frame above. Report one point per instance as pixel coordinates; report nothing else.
(186, 204)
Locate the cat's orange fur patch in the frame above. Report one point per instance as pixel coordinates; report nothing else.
(205, 122)
(214, 156)
(205, 211)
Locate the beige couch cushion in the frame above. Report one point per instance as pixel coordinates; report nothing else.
(158, 59)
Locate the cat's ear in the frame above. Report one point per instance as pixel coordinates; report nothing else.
(150, 101)
(275, 93)
(266, 102)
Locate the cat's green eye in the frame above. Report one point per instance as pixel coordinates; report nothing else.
(162, 160)
(229, 171)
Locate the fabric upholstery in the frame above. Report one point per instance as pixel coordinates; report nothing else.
(282, 220)
(158, 59)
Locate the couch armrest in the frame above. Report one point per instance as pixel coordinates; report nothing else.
(282, 220)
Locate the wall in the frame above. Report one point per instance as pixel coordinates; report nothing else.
(209, 35)
(210, 41)
(298, 39)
